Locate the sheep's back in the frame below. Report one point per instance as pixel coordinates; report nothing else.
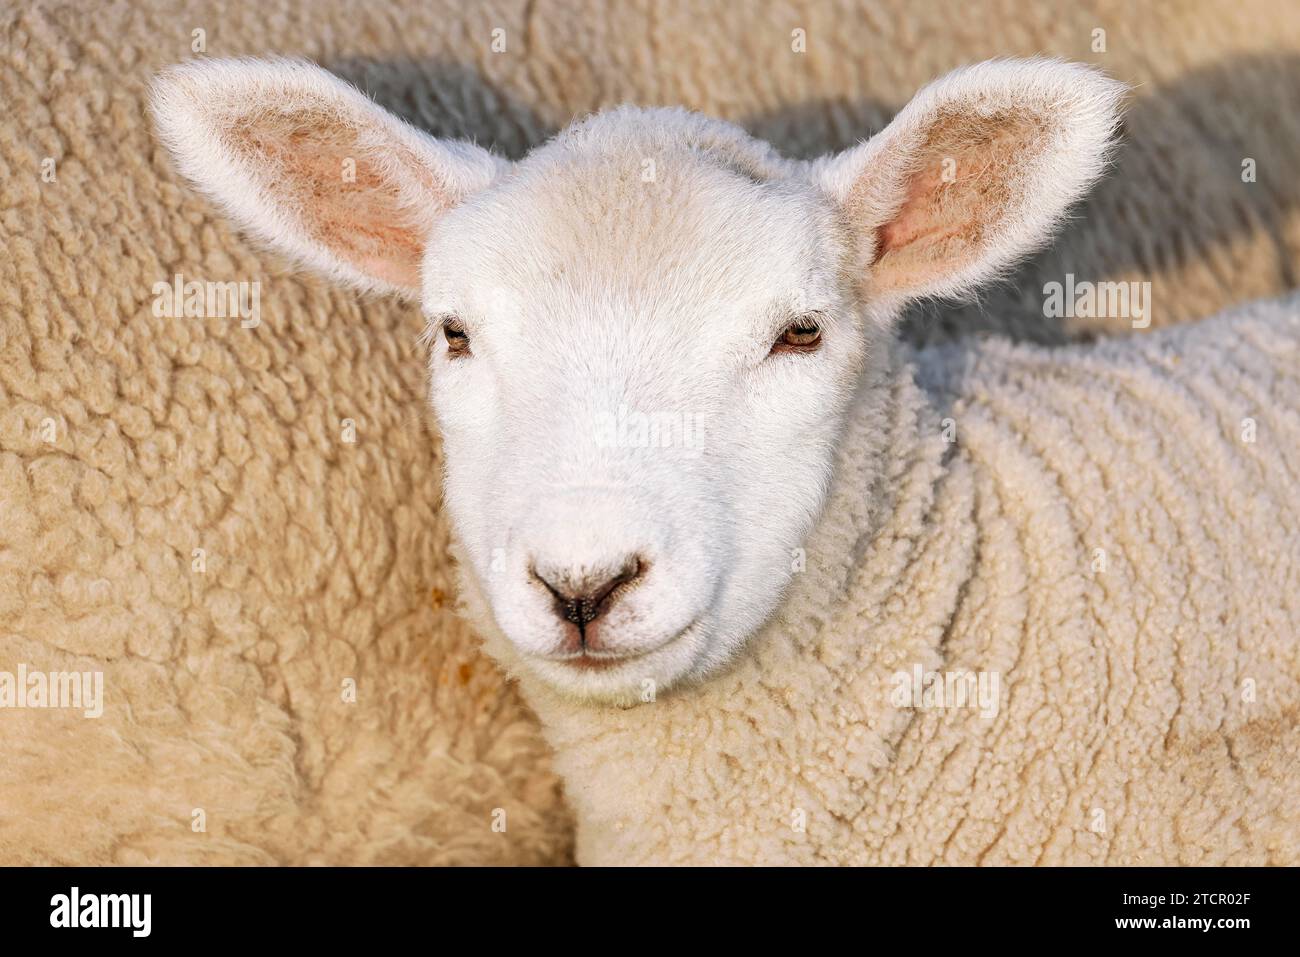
(1139, 515)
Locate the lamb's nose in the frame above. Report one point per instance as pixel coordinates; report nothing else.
(582, 595)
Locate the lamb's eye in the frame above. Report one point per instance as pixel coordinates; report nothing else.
(457, 339)
(802, 335)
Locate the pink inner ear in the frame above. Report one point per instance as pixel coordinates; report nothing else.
(916, 222)
(944, 222)
(359, 217)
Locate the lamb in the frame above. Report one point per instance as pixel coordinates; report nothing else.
(1098, 518)
(749, 649)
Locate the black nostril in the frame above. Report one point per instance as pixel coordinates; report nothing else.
(581, 599)
(581, 610)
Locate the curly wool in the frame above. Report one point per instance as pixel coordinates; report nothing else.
(1114, 534)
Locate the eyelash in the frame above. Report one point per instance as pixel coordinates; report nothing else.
(453, 332)
(802, 335)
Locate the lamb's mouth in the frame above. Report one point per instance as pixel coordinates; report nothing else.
(586, 662)
(597, 662)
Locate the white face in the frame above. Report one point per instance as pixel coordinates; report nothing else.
(639, 417)
(657, 322)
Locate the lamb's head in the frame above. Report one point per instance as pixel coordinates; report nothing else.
(645, 335)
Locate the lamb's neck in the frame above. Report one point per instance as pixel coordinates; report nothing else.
(884, 571)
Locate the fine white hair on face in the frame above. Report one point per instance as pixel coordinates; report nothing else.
(644, 266)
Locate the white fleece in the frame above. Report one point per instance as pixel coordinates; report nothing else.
(1113, 534)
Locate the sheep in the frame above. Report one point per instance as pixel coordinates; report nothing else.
(180, 509)
(967, 604)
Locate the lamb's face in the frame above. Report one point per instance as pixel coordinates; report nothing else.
(640, 385)
(647, 332)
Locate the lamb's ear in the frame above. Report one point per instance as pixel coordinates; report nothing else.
(972, 174)
(310, 165)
